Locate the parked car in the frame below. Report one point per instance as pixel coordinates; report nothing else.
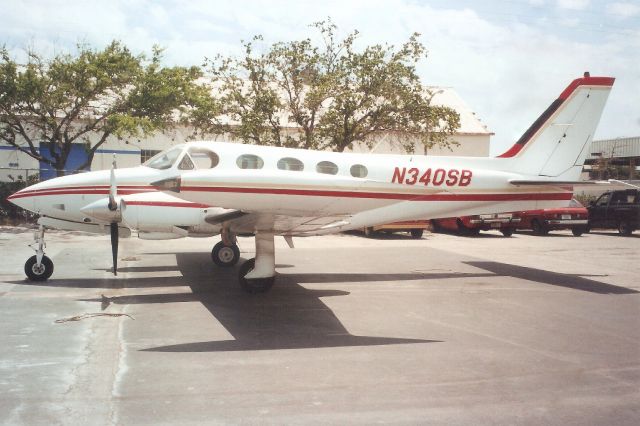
(414, 227)
(574, 217)
(616, 210)
(472, 225)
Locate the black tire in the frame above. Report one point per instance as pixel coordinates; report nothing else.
(416, 233)
(38, 274)
(473, 232)
(578, 231)
(539, 228)
(624, 228)
(224, 255)
(469, 232)
(254, 285)
(507, 232)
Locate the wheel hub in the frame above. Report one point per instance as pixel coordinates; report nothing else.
(226, 254)
(38, 269)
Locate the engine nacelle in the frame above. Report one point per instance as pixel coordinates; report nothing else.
(154, 235)
(100, 210)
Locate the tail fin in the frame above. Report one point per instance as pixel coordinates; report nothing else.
(556, 144)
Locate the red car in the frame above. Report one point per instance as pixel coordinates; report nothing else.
(472, 225)
(574, 217)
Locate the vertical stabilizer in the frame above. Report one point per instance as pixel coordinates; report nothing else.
(556, 144)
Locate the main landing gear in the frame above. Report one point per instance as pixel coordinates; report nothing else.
(38, 267)
(257, 275)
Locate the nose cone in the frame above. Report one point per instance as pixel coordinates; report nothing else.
(23, 198)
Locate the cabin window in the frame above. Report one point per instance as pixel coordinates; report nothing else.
(204, 158)
(186, 163)
(289, 163)
(327, 167)
(249, 161)
(359, 171)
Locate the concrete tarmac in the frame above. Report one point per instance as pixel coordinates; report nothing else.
(442, 330)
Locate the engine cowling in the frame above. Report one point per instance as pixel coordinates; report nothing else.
(100, 210)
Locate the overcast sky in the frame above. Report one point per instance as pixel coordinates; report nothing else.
(507, 59)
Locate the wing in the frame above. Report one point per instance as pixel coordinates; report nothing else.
(240, 222)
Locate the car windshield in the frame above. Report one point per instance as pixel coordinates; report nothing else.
(165, 159)
(575, 203)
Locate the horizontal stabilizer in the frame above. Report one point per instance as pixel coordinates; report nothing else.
(551, 182)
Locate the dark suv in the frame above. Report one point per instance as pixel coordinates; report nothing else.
(616, 210)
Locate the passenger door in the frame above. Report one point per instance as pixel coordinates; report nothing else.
(598, 212)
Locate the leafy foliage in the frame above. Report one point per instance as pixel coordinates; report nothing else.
(299, 94)
(108, 92)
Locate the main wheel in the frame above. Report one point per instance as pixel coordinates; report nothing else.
(507, 232)
(38, 273)
(224, 255)
(253, 285)
(416, 233)
(538, 227)
(624, 228)
(369, 232)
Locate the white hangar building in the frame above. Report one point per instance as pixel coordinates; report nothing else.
(472, 137)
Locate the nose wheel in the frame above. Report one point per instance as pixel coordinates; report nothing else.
(38, 272)
(225, 255)
(38, 267)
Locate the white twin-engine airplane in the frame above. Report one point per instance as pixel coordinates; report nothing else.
(208, 188)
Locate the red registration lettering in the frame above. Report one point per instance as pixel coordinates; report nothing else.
(398, 175)
(465, 178)
(426, 177)
(453, 177)
(413, 172)
(438, 177)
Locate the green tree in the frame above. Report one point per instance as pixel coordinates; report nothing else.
(328, 96)
(90, 96)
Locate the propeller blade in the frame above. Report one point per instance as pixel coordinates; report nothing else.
(114, 245)
(113, 186)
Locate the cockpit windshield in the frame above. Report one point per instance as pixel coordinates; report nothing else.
(165, 159)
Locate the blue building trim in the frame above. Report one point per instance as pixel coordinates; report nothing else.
(98, 151)
(116, 151)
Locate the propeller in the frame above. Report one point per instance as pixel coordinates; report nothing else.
(113, 206)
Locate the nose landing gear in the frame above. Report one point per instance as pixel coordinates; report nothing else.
(225, 255)
(38, 267)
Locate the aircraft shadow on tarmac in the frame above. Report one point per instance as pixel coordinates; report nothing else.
(290, 316)
(576, 282)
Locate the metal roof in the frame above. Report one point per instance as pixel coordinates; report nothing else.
(615, 148)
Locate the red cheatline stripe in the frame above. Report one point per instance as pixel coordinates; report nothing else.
(167, 204)
(39, 193)
(324, 193)
(386, 196)
(83, 187)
